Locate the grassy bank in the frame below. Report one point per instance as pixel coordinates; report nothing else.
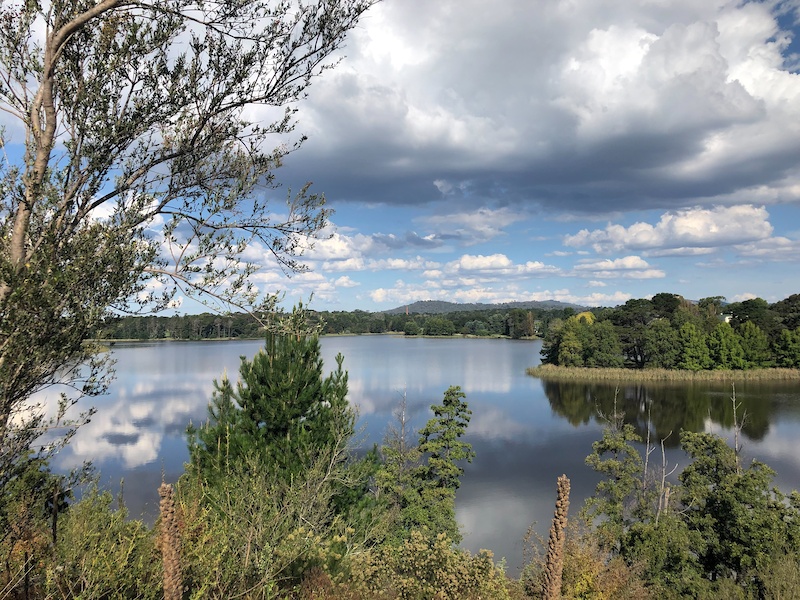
(554, 372)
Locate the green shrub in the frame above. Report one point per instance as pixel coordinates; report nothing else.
(422, 567)
(102, 554)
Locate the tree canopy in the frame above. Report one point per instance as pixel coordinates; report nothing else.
(669, 332)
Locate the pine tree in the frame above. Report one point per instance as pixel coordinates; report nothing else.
(755, 345)
(212, 446)
(725, 348)
(421, 481)
(693, 349)
(283, 411)
(440, 439)
(619, 497)
(440, 475)
(787, 348)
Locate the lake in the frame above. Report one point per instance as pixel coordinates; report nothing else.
(525, 432)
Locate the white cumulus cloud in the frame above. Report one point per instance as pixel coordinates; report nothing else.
(628, 267)
(690, 231)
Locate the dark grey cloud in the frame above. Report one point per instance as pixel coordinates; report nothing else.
(579, 106)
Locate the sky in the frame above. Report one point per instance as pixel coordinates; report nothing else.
(588, 151)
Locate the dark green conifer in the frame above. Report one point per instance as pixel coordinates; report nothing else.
(787, 348)
(283, 411)
(421, 481)
(755, 345)
(693, 349)
(725, 348)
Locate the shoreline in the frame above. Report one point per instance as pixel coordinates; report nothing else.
(399, 334)
(557, 373)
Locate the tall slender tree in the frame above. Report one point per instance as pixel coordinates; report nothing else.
(440, 439)
(134, 173)
(421, 480)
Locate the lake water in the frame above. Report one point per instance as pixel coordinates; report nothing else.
(525, 432)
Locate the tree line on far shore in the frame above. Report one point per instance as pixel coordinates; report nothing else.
(666, 331)
(514, 323)
(669, 332)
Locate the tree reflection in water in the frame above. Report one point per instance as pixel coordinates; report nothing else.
(671, 407)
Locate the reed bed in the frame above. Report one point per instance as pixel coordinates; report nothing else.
(553, 372)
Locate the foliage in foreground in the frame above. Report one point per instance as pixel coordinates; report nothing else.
(331, 525)
(589, 570)
(101, 553)
(421, 567)
(721, 531)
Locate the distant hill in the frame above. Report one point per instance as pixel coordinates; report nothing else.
(438, 307)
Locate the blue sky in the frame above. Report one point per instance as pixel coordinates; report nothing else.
(589, 151)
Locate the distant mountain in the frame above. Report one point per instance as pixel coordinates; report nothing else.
(438, 307)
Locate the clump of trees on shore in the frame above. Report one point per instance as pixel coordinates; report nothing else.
(668, 332)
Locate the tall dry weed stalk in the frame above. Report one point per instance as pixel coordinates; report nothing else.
(555, 545)
(170, 544)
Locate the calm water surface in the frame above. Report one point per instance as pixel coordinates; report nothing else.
(525, 432)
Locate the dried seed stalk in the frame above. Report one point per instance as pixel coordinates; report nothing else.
(555, 545)
(170, 544)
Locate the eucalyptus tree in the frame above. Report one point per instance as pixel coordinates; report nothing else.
(135, 171)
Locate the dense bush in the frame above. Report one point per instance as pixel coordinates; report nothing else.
(722, 531)
(102, 554)
(422, 567)
(668, 332)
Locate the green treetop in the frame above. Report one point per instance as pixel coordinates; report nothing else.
(440, 439)
(725, 348)
(282, 410)
(787, 348)
(693, 350)
(421, 481)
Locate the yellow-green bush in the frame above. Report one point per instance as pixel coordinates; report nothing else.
(590, 573)
(422, 567)
(102, 554)
(256, 536)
